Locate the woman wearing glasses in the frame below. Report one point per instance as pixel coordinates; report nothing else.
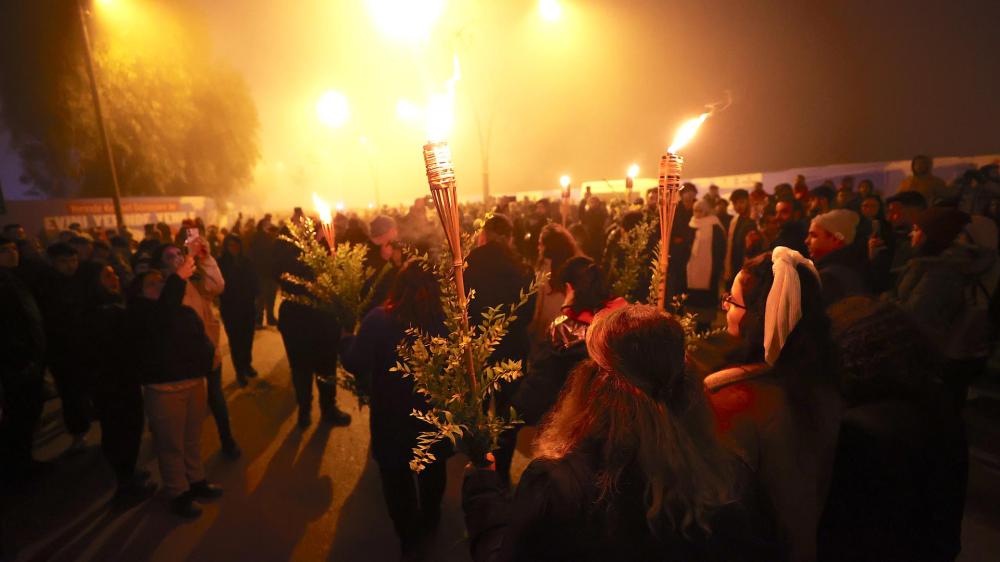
(778, 401)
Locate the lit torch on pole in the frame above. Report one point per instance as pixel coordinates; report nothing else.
(633, 172)
(326, 222)
(444, 191)
(564, 182)
(667, 195)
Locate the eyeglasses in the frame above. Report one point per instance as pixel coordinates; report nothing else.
(728, 301)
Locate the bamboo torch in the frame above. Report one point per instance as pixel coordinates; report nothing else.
(668, 195)
(444, 191)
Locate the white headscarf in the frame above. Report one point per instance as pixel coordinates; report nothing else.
(784, 302)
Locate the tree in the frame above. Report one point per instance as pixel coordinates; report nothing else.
(180, 121)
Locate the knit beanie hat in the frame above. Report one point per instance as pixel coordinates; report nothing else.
(381, 225)
(941, 225)
(841, 223)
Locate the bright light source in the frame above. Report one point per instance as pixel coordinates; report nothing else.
(441, 110)
(323, 209)
(550, 10)
(105, 3)
(686, 132)
(564, 182)
(371, 205)
(339, 206)
(406, 19)
(633, 171)
(332, 109)
(407, 111)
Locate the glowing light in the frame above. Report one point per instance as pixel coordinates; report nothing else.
(406, 19)
(325, 216)
(407, 111)
(371, 205)
(440, 108)
(332, 109)
(633, 171)
(687, 132)
(550, 10)
(564, 181)
(105, 3)
(340, 206)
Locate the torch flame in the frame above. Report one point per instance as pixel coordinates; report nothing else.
(633, 171)
(325, 216)
(687, 132)
(440, 108)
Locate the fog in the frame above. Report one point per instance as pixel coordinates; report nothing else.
(812, 83)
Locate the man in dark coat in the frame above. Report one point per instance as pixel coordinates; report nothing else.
(62, 301)
(739, 227)
(237, 305)
(311, 337)
(843, 269)
(497, 276)
(22, 365)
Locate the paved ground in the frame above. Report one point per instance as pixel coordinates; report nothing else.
(311, 495)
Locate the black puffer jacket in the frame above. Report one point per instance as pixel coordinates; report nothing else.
(168, 338)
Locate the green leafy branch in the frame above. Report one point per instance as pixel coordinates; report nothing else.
(438, 366)
(627, 269)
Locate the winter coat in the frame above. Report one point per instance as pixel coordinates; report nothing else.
(736, 246)
(939, 293)
(62, 301)
(199, 292)
(497, 276)
(566, 347)
(844, 273)
(242, 286)
(899, 483)
(22, 334)
(557, 514)
(168, 337)
(370, 356)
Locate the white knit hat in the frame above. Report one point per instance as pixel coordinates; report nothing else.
(841, 223)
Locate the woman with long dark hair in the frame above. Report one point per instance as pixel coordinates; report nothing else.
(555, 247)
(414, 503)
(628, 466)
(587, 294)
(778, 401)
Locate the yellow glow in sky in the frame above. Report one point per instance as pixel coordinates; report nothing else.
(550, 10)
(406, 19)
(332, 109)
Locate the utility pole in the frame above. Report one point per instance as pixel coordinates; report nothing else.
(101, 126)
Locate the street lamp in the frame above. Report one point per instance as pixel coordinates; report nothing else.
(564, 182)
(550, 10)
(633, 172)
(101, 125)
(332, 109)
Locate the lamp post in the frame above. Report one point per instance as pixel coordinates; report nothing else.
(101, 125)
(633, 172)
(564, 181)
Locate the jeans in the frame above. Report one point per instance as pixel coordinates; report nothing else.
(217, 403)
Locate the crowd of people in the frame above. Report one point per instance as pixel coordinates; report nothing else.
(827, 428)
